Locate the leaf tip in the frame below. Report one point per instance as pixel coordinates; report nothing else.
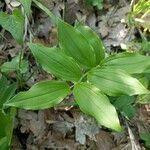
(119, 128)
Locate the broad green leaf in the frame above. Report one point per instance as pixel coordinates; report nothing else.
(125, 105)
(92, 102)
(76, 45)
(130, 62)
(55, 62)
(27, 6)
(14, 24)
(116, 82)
(42, 95)
(94, 41)
(13, 65)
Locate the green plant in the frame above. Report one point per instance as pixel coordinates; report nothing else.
(80, 62)
(13, 65)
(97, 3)
(125, 105)
(7, 90)
(81, 68)
(140, 14)
(145, 136)
(15, 24)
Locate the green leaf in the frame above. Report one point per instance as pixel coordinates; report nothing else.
(13, 65)
(42, 95)
(129, 62)
(144, 99)
(92, 102)
(145, 46)
(116, 82)
(6, 91)
(27, 6)
(3, 83)
(143, 79)
(145, 136)
(4, 143)
(97, 3)
(56, 62)
(4, 121)
(125, 105)
(94, 41)
(6, 127)
(14, 24)
(76, 45)
(7, 94)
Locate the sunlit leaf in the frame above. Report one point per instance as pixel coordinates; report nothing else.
(116, 82)
(76, 45)
(55, 62)
(94, 41)
(130, 62)
(42, 95)
(14, 24)
(94, 103)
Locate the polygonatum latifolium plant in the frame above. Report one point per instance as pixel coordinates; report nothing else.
(80, 60)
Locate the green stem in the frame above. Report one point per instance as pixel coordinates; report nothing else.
(47, 11)
(20, 57)
(29, 77)
(83, 77)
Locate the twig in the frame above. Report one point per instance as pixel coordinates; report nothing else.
(132, 139)
(132, 4)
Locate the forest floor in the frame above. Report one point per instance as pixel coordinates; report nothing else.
(64, 127)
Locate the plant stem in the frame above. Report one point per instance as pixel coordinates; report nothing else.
(83, 77)
(47, 11)
(132, 5)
